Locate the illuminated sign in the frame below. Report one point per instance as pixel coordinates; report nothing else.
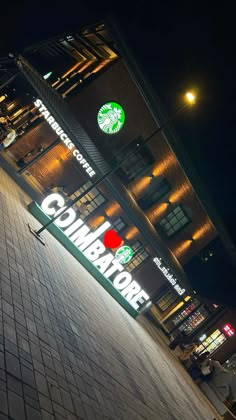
(64, 138)
(111, 117)
(228, 330)
(171, 279)
(93, 249)
(124, 254)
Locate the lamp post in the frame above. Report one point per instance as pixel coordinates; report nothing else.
(190, 99)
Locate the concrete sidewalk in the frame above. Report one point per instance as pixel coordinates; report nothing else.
(67, 349)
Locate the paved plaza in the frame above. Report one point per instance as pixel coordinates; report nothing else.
(67, 349)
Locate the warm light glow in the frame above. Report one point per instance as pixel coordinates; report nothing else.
(131, 233)
(9, 107)
(190, 98)
(187, 298)
(2, 98)
(113, 209)
(182, 248)
(164, 165)
(156, 212)
(202, 231)
(96, 221)
(179, 305)
(178, 194)
(140, 185)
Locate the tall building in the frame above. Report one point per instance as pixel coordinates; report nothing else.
(81, 107)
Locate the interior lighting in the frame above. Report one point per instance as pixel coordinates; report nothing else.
(46, 76)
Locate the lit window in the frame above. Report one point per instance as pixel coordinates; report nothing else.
(194, 320)
(212, 342)
(90, 201)
(175, 220)
(119, 224)
(140, 255)
(166, 298)
(157, 190)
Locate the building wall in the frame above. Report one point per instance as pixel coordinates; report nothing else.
(116, 84)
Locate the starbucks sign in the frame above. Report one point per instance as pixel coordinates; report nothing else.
(124, 254)
(111, 118)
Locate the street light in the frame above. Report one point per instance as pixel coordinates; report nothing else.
(190, 99)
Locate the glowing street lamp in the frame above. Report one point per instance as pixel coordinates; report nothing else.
(190, 98)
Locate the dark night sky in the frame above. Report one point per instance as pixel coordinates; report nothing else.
(179, 47)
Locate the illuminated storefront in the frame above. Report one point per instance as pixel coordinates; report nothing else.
(82, 113)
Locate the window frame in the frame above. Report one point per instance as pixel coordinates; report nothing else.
(124, 151)
(160, 226)
(85, 198)
(137, 255)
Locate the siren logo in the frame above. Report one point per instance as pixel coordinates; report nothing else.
(93, 248)
(124, 254)
(111, 117)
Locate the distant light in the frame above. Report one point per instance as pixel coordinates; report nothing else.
(190, 97)
(228, 330)
(202, 338)
(46, 76)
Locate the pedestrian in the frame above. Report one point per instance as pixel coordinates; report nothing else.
(197, 365)
(221, 379)
(181, 338)
(8, 138)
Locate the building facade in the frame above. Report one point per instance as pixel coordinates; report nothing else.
(149, 200)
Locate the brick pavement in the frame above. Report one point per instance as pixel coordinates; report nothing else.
(67, 349)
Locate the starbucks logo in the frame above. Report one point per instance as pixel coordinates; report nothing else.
(111, 117)
(124, 254)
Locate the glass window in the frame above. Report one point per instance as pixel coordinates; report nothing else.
(174, 221)
(90, 201)
(140, 255)
(136, 164)
(194, 320)
(166, 298)
(212, 342)
(119, 224)
(157, 189)
(185, 312)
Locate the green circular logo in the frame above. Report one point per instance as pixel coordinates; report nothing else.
(111, 117)
(124, 254)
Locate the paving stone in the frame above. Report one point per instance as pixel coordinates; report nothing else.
(3, 402)
(81, 356)
(16, 406)
(32, 414)
(13, 365)
(14, 385)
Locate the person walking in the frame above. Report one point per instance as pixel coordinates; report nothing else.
(7, 138)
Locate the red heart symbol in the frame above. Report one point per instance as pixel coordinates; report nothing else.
(111, 239)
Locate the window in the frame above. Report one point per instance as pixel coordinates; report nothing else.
(119, 224)
(156, 190)
(194, 320)
(90, 201)
(136, 164)
(166, 298)
(185, 312)
(211, 343)
(174, 221)
(140, 255)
